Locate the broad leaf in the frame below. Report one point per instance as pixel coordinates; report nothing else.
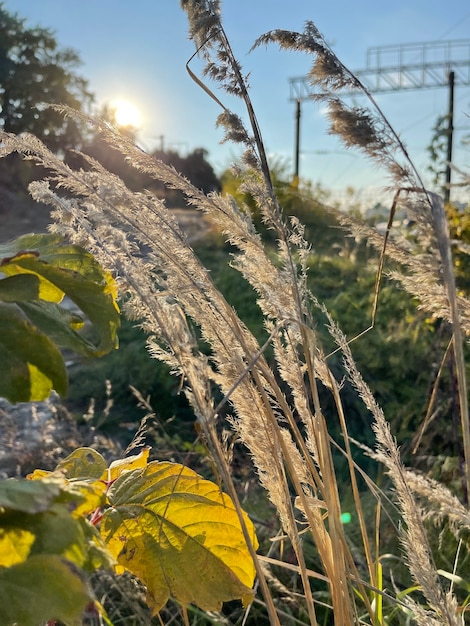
(59, 324)
(43, 588)
(30, 363)
(83, 463)
(85, 496)
(20, 288)
(83, 490)
(54, 250)
(65, 269)
(56, 532)
(40, 270)
(15, 545)
(180, 535)
(136, 461)
(48, 516)
(27, 496)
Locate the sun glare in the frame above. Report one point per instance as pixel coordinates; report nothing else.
(126, 114)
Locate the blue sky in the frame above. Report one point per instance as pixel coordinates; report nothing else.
(138, 51)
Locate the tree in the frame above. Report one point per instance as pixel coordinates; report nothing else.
(35, 72)
(194, 167)
(200, 172)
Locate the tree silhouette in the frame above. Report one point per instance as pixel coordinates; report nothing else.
(194, 167)
(35, 72)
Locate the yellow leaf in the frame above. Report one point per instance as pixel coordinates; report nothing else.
(38, 474)
(47, 290)
(127, 464)
(180, 535)
(90, 495)
(15, 545)
(86, 495)
(41, 385)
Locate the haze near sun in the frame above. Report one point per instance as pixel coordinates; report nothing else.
(126, 113)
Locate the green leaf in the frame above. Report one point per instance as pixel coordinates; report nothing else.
(56, 525)
(53, 250)
(58, 324)
(30, 363)
(83, 463)
(40, 270)
(20, 288)
(53, 532)
(456, 580)
(28, 496)
(65, 269)
(180, 535)
(98, 555)
(51, 523)
(57, 532)
(49, 516)
(84, 474)
(43, 588)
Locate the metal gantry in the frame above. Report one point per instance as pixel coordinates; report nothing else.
(403, 67)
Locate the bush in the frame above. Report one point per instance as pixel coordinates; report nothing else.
(290, 412)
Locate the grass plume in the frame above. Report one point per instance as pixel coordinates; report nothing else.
(274, 408)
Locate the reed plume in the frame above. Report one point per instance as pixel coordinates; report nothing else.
(274, 409)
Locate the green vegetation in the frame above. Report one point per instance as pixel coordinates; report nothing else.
(342, 433)
(38, 272)
(156, 520)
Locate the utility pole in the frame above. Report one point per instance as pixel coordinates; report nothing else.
(404, 67)
(297, 141)
(450, 135)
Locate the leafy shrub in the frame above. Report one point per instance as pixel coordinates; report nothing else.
(156, 520)
(39, 271)
(299, 445)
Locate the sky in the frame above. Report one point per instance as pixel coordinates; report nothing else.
(138, 51)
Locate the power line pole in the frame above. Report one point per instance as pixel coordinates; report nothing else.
(403, 68)
(297, 140)
(450, 135)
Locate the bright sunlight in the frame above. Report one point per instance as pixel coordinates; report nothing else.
(126, 114)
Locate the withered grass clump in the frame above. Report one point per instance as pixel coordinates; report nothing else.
(275, 410)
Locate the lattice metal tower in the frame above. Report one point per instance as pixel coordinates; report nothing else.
(404, 67)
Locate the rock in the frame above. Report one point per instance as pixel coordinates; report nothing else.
(34, 435)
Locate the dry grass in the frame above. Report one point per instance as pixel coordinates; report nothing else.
(276, 411)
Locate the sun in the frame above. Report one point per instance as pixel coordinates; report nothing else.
(126, 114)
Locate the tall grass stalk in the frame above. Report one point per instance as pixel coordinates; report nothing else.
(275, 408)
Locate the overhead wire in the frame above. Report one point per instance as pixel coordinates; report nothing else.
(457, 23)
